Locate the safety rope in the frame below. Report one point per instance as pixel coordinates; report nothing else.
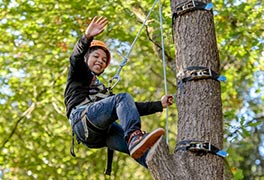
(200, 148)
(164, 68)
(116, 77)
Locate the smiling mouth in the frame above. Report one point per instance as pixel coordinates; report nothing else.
(97, 66)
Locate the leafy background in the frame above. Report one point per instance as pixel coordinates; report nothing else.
(37, 38)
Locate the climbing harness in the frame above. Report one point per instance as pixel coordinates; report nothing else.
(84, 123)
(87, 124)
(200, 148)
(111, 84)
(192, 5)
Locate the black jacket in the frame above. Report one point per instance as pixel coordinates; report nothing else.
(80, 78)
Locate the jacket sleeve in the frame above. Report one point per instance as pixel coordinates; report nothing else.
(147, 108)
(78, 67)
(80, 49)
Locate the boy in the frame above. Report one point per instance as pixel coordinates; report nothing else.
(92, 110)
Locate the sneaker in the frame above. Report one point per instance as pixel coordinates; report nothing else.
(139, 142)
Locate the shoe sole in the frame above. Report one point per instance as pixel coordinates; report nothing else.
(145, 144)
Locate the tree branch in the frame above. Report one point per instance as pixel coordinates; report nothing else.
(27, 112)
(141, 15)
(159, 75)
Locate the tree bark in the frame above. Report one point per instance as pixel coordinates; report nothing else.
(198, 102)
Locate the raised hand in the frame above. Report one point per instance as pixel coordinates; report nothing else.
(96, 26)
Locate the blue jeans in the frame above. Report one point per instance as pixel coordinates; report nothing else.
(103, 114)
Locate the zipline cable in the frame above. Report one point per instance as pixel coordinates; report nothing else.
(123, 63)
(164, 68)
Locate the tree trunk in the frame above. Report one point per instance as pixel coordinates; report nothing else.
(198, 103)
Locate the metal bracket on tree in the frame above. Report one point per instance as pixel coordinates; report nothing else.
(200, 148)
(197, 73)
(192, 5)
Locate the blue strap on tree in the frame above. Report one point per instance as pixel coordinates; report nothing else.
(192, 5)
(200, 148)
(197, 73)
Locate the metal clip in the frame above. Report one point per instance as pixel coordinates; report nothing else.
(198, 74)
(112, 84)
(184, 7)
(199, 146)
(209, 147)
(201, 73)
(117, 77)
(196, 146)
(187, 6)
(192, 5)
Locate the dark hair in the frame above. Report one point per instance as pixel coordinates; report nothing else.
(90, 50)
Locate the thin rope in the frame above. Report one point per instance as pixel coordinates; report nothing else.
(123, 63)
(144, 23)
(164, 69)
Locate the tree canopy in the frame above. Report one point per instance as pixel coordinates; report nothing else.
(37, 38)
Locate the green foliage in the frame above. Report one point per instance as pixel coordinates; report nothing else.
(240, 39)
(37, 38)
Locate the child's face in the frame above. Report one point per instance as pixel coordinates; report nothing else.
(97, 61)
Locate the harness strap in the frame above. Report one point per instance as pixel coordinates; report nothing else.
(192, 5)
(110, 155)
(87, 124)
(72, 145)
(200, 148)
(84, 123)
